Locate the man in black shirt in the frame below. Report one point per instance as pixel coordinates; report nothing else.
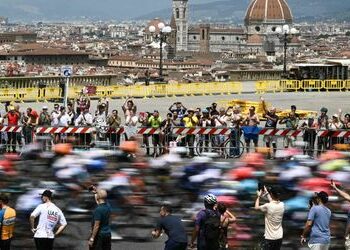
(173, 227)
(213, 110)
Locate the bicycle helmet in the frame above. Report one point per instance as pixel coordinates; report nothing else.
(210, 199)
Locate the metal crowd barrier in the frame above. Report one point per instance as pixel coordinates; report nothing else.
(119, 91)
(314, 141)
(302, 85)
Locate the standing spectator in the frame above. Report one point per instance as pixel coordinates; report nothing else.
(147, 77)
(251, 130)
(322, 124)
(309, 137)
(84, 120)
(54, 115)
(130, 124)
(100, 238)
(71, 114)
(271, 122)
(83, 101)
(12, 120)
(174, 229)
(143, 119)
(7, 223)
(179, 108)
(49, 217)
(190, 121)
(213, 110)
(226, 217)
(63, 118)
(346, 196)
(335, 124)
(207, 226)
(205, 121)
(44, 120)
(19, 135)
(155, 121)
(105, 102)
(318, 223)
(129, 106)
(44, 117)
(220, 121)
(31, 122)
(100, 121)
(114, 121)
(166, 131)
(273, 211)
(292, 122)
(234, 122)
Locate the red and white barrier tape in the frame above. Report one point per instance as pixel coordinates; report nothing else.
(280, 132)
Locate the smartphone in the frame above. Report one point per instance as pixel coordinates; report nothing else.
(261, 186)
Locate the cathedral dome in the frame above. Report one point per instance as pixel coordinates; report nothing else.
(269, 12)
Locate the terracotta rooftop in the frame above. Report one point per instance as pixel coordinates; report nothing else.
(268, 11)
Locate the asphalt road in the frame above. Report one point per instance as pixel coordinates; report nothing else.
(308, 100)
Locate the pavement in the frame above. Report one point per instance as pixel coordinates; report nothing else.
(303, 100)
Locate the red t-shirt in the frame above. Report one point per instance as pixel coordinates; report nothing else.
(13, 119)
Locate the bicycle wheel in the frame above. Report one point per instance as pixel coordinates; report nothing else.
(231, 151)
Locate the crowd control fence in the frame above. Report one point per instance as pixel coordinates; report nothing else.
(228, 142)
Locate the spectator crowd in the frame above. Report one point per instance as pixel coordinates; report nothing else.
(107, 122)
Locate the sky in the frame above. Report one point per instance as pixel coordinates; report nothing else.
(123, 9)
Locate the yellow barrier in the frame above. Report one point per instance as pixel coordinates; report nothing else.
(273, 86)
(261, 87)
(312, 85)
(289, 85)
(347, 85)
(334, 85)
(117, 91)
(28, 94)
(7, 94)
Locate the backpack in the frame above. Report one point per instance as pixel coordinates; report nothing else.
(212, 230)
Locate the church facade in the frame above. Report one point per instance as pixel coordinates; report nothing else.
(262, 21)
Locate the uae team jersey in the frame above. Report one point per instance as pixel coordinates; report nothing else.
(49, 217)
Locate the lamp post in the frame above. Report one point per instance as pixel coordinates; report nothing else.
(161, 36)
(286, 34)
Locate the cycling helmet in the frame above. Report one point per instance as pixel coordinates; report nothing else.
(210, 199)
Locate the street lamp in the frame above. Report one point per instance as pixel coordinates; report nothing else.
(163, 33)
(287, 33)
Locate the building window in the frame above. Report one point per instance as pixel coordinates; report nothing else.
(223, 38)
(184, 13)
(194, 37)
(257, 28)
(273, 29)
(237, 38)
(203, 34)
(177, 13)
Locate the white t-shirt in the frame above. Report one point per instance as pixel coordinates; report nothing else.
(274, 211)
(50, 216)
(55, 121)
(64, 120)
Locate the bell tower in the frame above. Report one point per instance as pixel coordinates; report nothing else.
(180, 13)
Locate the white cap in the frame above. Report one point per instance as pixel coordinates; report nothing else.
(45, 107)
